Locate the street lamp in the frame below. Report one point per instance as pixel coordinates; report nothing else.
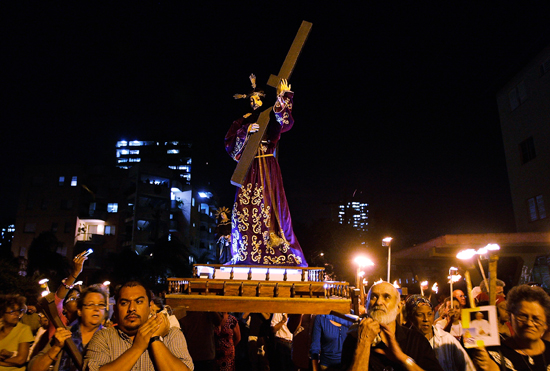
(387, 242)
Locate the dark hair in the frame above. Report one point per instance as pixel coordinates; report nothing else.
(132, 284)
(11, 300)
(97, 288)
(447, 299)
(158, 302)
(74, 289)
(527, 293)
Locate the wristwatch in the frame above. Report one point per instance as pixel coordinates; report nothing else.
(155, 338)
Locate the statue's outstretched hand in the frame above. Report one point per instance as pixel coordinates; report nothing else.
(283, 86)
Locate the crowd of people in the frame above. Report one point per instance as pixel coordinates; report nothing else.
(134, 330)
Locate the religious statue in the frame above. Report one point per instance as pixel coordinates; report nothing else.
(261, 226)
(223, 235)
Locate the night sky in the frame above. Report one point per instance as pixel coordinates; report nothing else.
(394, 100)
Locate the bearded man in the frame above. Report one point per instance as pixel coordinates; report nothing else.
(379, 343)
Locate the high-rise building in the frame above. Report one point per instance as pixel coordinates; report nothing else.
(174, 155)
(524, 110)
(355, 214)
(164, 200)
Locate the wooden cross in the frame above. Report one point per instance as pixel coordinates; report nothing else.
(254, 140)
(47, 303)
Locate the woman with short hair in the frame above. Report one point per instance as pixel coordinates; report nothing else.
(92, 305)
(529, 309)
(15, 337)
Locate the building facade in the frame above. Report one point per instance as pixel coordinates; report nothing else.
(145, 198)
(524, 109)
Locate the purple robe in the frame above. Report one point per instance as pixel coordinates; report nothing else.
(261, 227)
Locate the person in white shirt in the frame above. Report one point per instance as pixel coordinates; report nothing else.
(450, 354)
(283, 342)
(450, 319)
(481, 325)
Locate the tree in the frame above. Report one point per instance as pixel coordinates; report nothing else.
(12, 283)
(44, 259)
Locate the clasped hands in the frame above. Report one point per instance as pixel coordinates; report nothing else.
(157, 325)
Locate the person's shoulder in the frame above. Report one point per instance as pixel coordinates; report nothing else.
(106, 333)
(444, 335)
(408, 335)
(22, 327)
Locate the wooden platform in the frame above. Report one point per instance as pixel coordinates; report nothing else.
(307, 294)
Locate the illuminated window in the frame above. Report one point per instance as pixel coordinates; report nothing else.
(135, 160)
(122, 160)
(540, 207)
(112, 207)
(173, 151)
(74, 181)
(121, 143)
(110, 230)
(136, 143)
(61, 180)
(536, 207)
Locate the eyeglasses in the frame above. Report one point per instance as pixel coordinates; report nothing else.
(522, 318)
(16, 312)
(94, 306)
(71, 299)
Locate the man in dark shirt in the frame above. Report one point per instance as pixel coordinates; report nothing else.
(378, 342)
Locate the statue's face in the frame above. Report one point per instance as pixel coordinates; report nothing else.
(255, 101)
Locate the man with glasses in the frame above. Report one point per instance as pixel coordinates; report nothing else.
(140, 341)
(91, 308)
(459, 295)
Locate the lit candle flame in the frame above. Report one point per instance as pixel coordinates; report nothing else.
(396, 284)
(454, 277)
(435, 288)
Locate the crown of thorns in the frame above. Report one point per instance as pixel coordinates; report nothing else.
(259, 93)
